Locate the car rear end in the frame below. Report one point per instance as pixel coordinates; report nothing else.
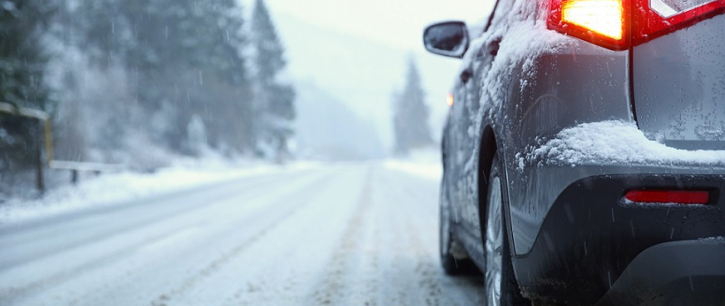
(622, 168)
(678, 98)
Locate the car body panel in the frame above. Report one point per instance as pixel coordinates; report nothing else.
(590, 235)
(679, 86)
(562, 91)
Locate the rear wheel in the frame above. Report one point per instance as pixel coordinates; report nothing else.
(500, 283)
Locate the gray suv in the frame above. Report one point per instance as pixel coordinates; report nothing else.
(584, 152)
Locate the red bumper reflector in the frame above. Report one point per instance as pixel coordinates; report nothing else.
(668, 196)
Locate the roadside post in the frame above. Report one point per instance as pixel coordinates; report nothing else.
(43, 119)
(47, 158)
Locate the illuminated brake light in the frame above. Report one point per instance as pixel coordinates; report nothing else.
(603, 17)
(668, 196)
(620, 24)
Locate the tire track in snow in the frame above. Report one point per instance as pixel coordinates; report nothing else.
(209, 269)
(16, 294)
(331, 290)
(11, 296)
(432, 285)
(298, 265)
(80, 222)
(412, 275)
(374, 253)
(426, 272)
(109, 254)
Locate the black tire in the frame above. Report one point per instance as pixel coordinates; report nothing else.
(510, 293)
(451, 265)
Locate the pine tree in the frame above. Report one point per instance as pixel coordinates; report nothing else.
(23, 59)
(410, 121)
(234, 111)
(275, 101)
(183, 59)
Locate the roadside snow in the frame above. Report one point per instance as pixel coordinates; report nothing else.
(614, 142)
(424, 163)
(122, 187)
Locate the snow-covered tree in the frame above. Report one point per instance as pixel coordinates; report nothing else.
(233, 116)
(182, 57)
(196, 132)
(410, 114)
(274, 100)
(23, 59)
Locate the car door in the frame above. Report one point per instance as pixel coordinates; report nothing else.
(469, 135)
(455, 151)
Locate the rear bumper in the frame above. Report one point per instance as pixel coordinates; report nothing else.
(590, 237)
(674, 273)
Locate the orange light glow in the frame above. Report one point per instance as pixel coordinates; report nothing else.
(449, 100)
(603, 17)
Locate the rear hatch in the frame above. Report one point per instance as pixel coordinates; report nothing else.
(679, 75)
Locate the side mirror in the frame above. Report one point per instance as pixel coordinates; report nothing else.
(447, 38)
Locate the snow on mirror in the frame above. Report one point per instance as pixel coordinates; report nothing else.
(447, 39)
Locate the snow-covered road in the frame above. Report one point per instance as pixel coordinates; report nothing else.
(345, 234)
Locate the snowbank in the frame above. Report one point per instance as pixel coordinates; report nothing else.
(424, 163)
(613, 142)
(122, 187)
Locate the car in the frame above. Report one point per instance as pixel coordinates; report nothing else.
(584, 152)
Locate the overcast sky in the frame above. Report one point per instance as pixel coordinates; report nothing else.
(357, 50)
(394, 22)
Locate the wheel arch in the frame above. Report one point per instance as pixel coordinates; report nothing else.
(486, 152)
(489, 146)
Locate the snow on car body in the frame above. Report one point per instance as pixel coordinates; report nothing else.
(603, 123)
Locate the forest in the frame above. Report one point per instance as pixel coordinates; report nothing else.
(132, 82)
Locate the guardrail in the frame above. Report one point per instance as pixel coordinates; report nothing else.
(74, 167)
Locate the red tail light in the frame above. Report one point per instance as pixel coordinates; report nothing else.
(616, 24)
(655, 18)
(668, 196)
(602, 22)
